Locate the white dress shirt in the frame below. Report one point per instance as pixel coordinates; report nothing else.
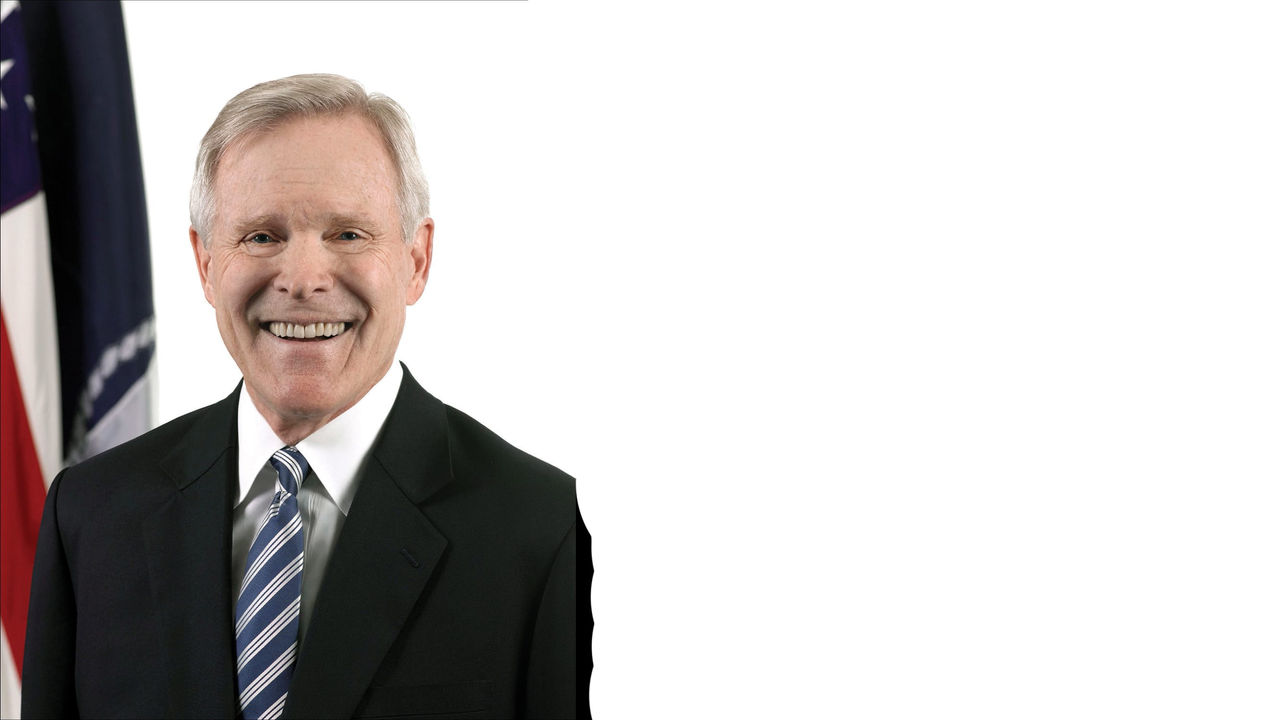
(336, 453)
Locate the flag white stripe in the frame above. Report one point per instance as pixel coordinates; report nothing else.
(26, 296)
(26, 293)
(10, 688)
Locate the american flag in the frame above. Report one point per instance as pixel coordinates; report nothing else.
(76, 310)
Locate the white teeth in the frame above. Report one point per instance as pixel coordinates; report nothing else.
(293, 330)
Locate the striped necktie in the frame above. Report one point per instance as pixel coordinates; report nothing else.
(271, 595)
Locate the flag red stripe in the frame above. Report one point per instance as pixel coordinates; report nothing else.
(21, 501)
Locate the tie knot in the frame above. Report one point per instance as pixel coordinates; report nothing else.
(290, 467)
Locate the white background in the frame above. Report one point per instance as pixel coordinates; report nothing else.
(915, 359)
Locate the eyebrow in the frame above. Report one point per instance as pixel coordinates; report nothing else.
(275, 220)
(356, 220)
(254, 223)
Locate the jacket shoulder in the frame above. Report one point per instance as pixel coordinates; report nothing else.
(143, 448)
(468, 472)
(531, 499)
(477, 449)
(150, 447)
(154, 460)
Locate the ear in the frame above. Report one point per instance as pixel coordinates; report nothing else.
(420, 256)
(203, 258)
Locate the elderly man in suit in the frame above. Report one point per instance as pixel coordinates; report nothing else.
(330, 540)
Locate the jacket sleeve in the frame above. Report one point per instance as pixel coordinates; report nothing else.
(560, 654)
(48, 665)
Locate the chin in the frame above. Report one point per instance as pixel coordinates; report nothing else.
(306, 396)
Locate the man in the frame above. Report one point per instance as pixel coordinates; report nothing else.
(329, 540)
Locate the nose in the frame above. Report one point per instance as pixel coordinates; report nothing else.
(305, 268)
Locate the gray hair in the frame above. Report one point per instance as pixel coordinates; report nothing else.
(268, 105)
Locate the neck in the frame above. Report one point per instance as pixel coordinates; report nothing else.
(293, 428)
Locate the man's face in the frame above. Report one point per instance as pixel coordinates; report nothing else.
(306, 267)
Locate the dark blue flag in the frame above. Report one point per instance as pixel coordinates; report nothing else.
(88, 143)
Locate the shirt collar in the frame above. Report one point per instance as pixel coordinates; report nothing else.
(335, 452)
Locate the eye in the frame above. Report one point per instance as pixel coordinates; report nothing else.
(260, 239)
(348, 235)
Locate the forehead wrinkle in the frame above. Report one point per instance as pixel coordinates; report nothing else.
(276, 184)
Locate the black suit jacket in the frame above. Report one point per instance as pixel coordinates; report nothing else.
(451, 591)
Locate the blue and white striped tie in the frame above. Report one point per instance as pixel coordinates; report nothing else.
(271, 595)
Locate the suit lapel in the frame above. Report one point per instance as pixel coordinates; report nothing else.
(385, 555)
(188, 555)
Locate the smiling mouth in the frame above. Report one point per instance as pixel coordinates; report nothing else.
(312, 331)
